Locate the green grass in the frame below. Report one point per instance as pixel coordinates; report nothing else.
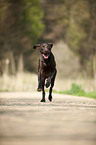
(28, 82)
(77, 91)
(4, 90)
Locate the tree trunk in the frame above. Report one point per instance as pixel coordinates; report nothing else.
(91, 40)
(13, 67)
(7, 66)
(20, 63)
(94, 69)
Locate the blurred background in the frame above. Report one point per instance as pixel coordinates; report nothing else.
(70, 25)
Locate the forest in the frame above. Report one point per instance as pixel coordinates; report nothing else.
(26, 22)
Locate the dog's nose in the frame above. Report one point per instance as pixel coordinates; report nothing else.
(46, 50)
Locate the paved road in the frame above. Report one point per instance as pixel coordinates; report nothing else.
(68, 120)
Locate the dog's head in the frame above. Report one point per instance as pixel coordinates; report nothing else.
(45, 49)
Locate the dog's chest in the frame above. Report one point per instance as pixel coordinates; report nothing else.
(46, 68)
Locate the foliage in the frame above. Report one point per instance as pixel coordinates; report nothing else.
(74, 22)
(33, 16)
(28, 82)
(20, 27)
(24, 22)
(78, 91)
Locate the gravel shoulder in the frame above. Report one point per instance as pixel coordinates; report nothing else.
(68, 120)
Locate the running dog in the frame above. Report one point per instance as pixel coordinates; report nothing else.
(47, 69)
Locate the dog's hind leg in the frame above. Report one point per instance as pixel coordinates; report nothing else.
(52, 84)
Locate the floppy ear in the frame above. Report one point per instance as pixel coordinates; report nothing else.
(36, 45)
(50, 45)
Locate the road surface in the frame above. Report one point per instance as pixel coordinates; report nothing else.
(68, 120)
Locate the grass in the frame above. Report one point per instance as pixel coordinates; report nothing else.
(28, 82)
(77, 91)
(20, 82)
(4, 91)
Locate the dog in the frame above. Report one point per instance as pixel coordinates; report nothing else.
(47, 69)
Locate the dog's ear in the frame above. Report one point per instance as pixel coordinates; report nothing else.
(36, 45)
(50, 45)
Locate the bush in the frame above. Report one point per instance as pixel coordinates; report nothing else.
(77, 90)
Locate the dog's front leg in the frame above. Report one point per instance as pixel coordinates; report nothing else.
(39, 82)
(43, 91)
(53, 75)
(39, 78)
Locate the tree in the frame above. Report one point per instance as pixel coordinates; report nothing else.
(21, 26)
(92, 36)
(74, 22)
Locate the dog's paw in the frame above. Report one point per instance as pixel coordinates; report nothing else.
(39, 89)
(43, 100)
(50, 98)
(48, 82)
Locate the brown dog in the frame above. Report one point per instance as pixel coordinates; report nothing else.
(47, 69)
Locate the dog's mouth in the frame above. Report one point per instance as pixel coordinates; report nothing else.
(46, 55)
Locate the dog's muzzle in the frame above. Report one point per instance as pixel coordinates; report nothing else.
(45, 55)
